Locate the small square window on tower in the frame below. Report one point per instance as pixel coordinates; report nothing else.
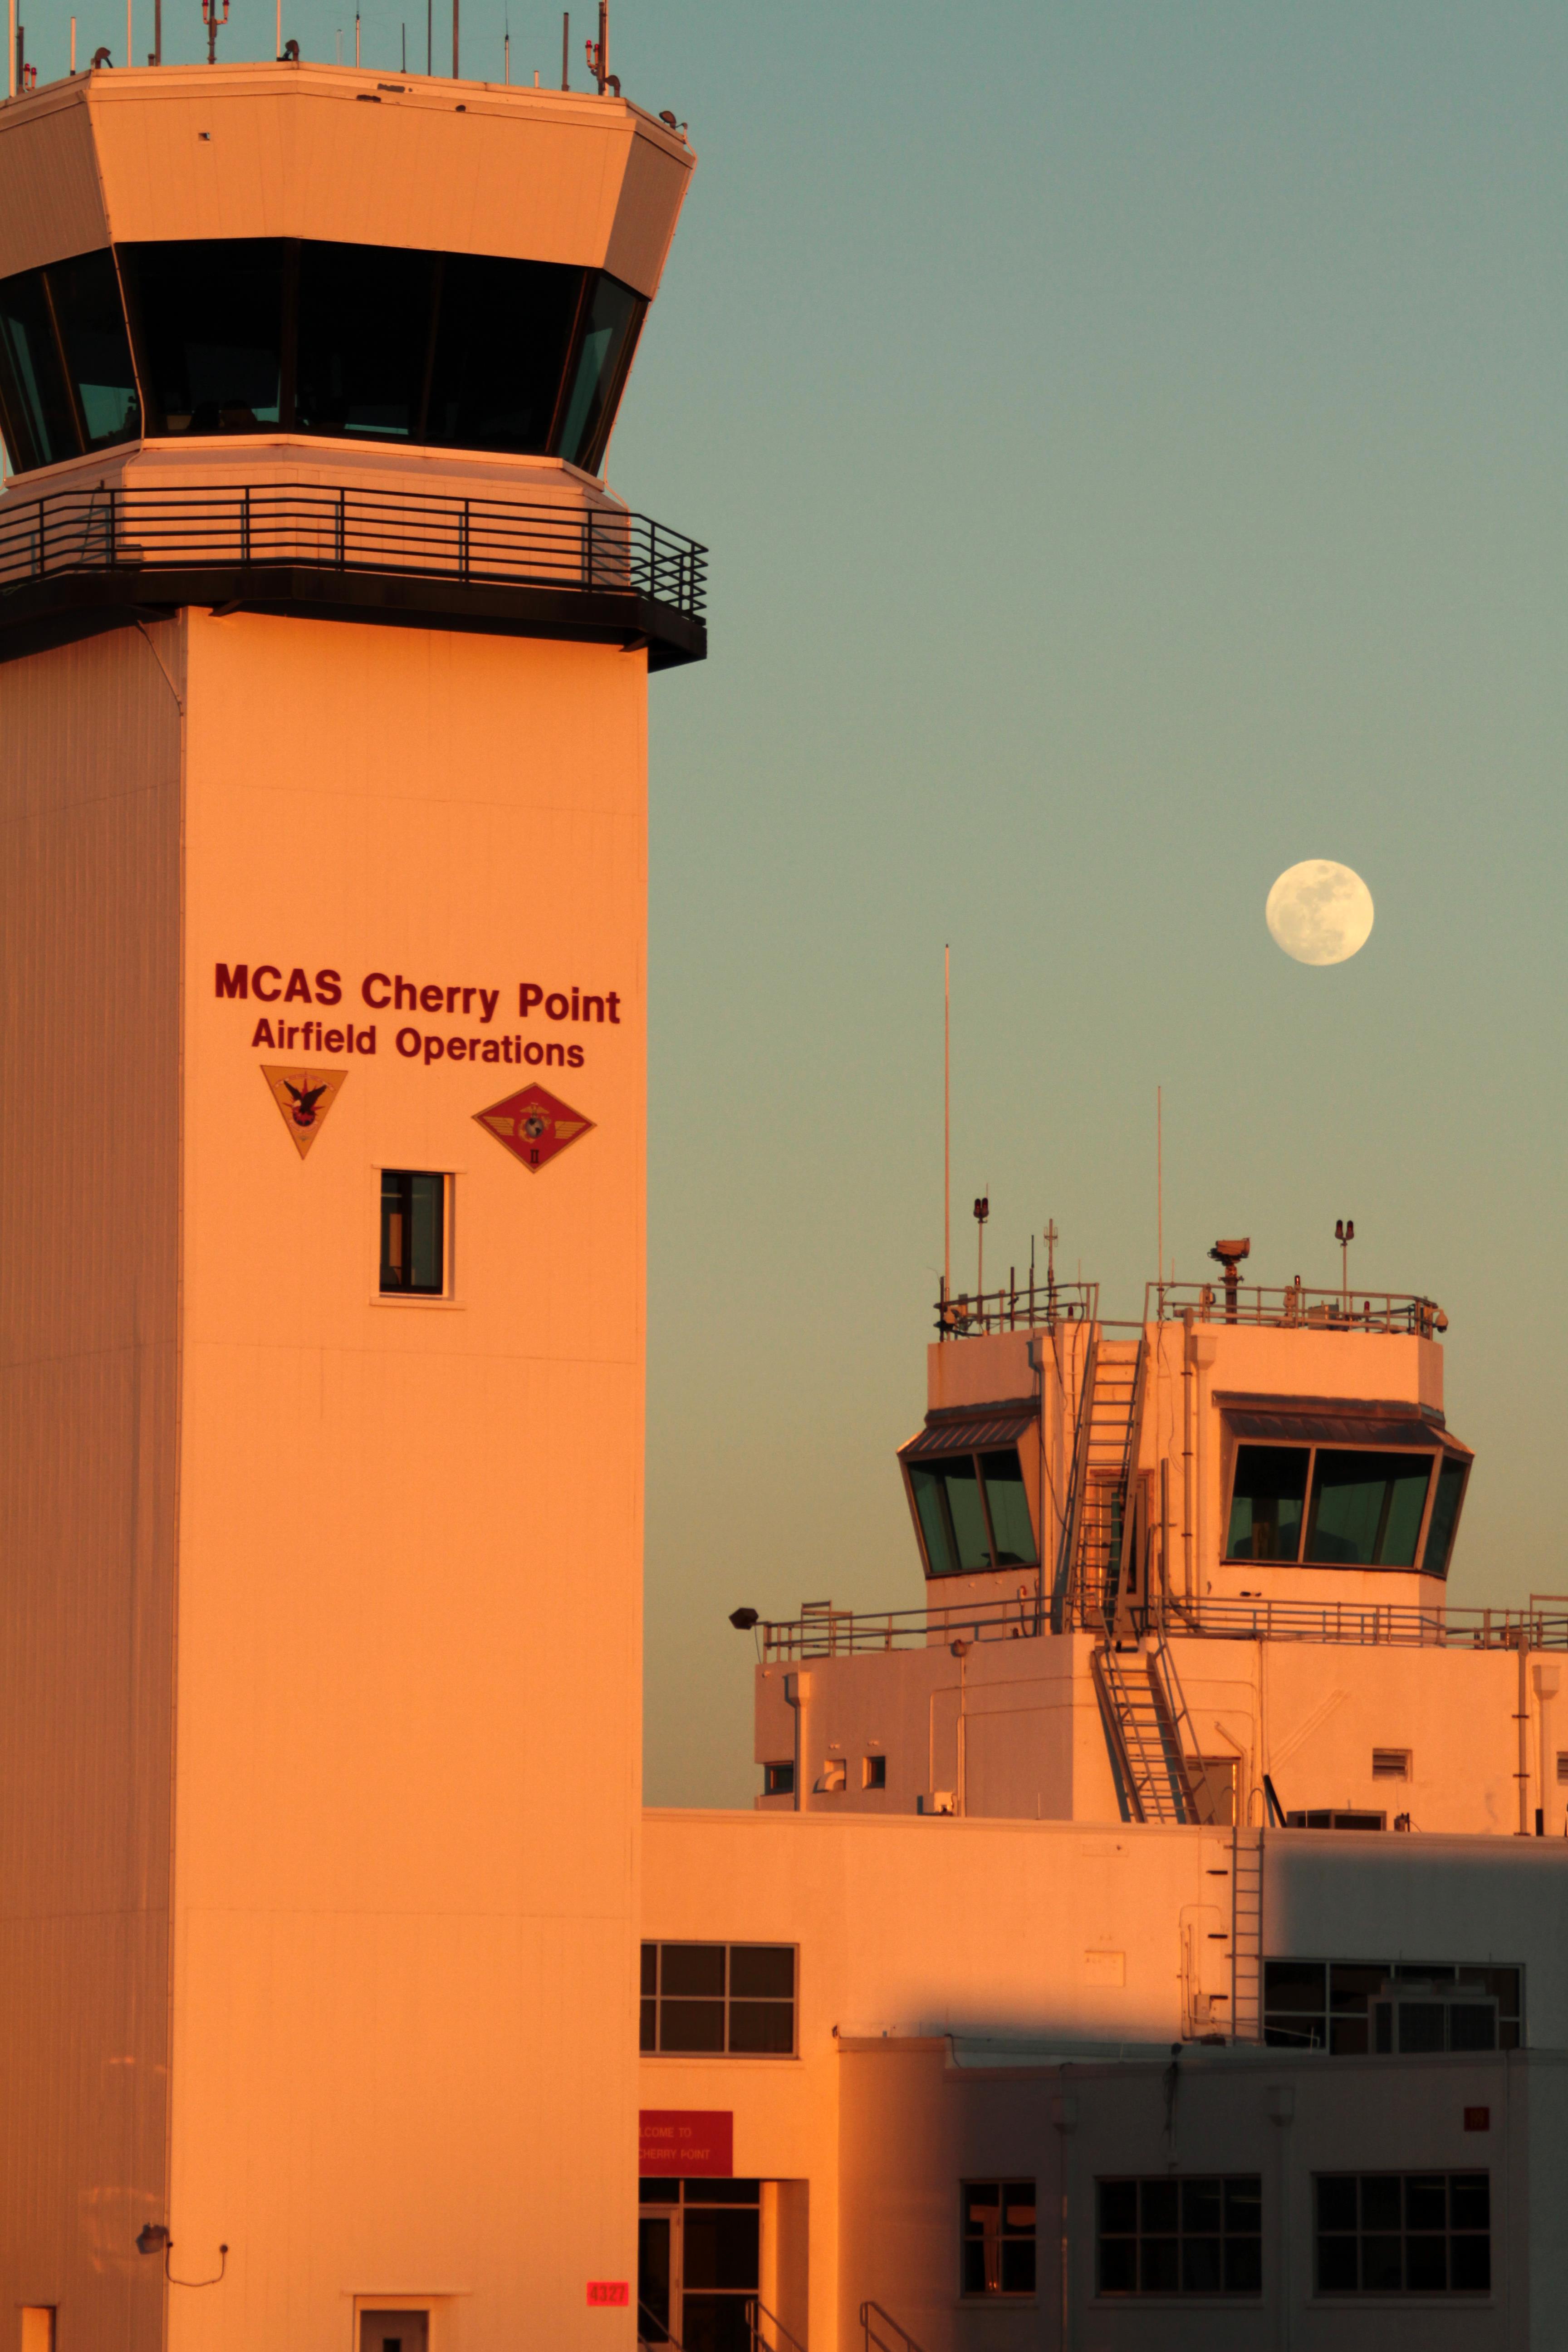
(413, 1233)
(873, 1772)
(1391, 1763)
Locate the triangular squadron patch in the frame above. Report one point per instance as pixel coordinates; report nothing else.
(304, 1097)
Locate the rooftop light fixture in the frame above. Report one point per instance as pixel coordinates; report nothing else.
(742, 1620)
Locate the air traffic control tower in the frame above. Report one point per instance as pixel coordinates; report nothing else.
(324, 662)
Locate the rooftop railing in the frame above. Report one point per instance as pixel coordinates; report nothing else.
(1032, 1306)
(1017, 1306)
(267, 525)
(1294, 1308)
(822, 1631)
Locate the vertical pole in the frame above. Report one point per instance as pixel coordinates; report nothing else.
(1160, 1196)
(565, 47)
(279, 31)
(157, 35)
(947, 1122)
(429, 39)
(356, 38)
(454, 40)
(11, 53)
(1522, 1776)
(1187, 1454)
(73, 42)
(506, 67)
(130, 52)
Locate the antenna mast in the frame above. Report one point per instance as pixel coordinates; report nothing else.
(946, 1123)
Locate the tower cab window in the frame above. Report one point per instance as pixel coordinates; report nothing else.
(973, 1512)
(1344, 1506)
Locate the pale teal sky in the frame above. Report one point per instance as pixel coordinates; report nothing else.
(1131, 440)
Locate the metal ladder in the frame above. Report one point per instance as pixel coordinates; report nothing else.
(1247, 1935)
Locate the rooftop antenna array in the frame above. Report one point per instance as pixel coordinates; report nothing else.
(982, 1211)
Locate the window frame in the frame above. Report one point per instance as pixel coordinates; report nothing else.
(1222, 2296)
(1437, 1455)
(1449, 2176)
(969, 2236)
(1316, 2034)
(653, 2000)
(404, 1295)
(976, 1455)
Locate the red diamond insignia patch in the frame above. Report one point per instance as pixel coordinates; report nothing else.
(534, 1125)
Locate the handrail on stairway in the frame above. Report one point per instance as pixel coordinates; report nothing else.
(906, 2342)
(784, 2341)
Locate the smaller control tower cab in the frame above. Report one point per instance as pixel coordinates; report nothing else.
(1191, 1569)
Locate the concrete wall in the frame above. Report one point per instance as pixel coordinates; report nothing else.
(89, 1174)
(1013, 1728)
(915, 2126)
(1047, 1942)
(406, 1860)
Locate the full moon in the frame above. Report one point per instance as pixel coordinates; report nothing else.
(1320, 913)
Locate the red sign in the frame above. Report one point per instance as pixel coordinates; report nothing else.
(1477, 2119)
(534, 1125)
(686, 2143)
(612, 2291)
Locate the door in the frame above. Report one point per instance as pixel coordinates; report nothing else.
(394, 2331)
(699, 2264)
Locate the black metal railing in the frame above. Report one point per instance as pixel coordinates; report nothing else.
(821, 1631)
(1016, 1306)
(493, 542)
(1292, 1307)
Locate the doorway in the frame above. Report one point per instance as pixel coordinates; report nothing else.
(394, 2331)
(699, 2264)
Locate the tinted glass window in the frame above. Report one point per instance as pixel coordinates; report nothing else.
(91, 318)
(1266, 1502)
(947, 1496)
(610, 331)
(39, 426)
(501, 342)
(1366, 1508)
(1009, 1508)
(364, 339)
(66, 379)
(1444, 1518)
(209, 316)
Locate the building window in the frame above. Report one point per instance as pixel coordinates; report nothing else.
(998, 2237)
(1322, 1818)
(1562, 1764)
(413, 1233)
(1421, 2018)
(1181, 2237)
(1327, 2004)
(873, 1772)
(1343, 1507)
(1391, 1764)
(738, 1998)
(973, 1512)
(778, 1779)
(1404, 2233)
